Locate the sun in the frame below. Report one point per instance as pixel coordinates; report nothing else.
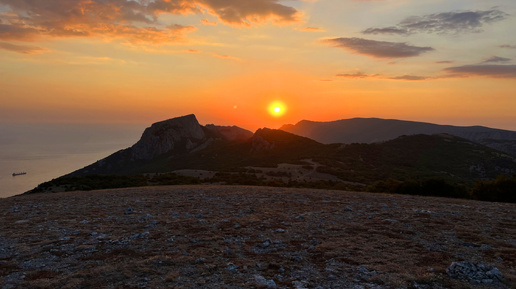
(277, 108)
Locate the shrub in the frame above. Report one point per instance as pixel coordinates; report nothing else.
(429, 187)
(503, 189)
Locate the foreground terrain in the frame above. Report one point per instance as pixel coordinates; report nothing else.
(254, 237)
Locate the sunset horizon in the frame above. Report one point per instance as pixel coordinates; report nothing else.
(258, 144)
(145, 61)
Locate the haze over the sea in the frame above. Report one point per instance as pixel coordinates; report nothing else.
(47, 151)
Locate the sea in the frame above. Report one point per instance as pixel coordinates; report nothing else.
(48, 151)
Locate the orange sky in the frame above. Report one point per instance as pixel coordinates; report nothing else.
(226, 61)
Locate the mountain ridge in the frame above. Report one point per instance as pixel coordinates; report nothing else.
(183, 144)
(370, 130)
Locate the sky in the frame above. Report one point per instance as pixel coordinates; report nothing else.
(232, 62)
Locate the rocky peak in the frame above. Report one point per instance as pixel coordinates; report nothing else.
(177, 134)
(231, 133)
(259, 143)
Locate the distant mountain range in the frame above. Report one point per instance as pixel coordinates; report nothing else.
(182, 144)
(371, 130)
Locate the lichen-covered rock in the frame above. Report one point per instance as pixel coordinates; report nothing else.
(476, 273)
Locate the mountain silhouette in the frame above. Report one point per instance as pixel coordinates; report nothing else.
(182, 143)
(370, 130)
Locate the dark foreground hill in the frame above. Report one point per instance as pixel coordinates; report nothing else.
(254, 237)
(370, 130)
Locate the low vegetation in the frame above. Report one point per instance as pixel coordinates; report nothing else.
(503, 189)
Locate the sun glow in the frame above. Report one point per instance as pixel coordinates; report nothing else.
(277, 108)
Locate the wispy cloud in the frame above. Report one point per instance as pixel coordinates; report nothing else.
(409, 77)
(228, 57)
(136, 21)
(487, 70)
(312, 29)
(361, 75)
(496, 59)
(386, 30)
(208, 22)
(21, 48)
(448, 22)
(353, 75)
(508, 46)
(192, 51)
(378, 49)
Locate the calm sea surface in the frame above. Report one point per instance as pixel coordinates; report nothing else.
(47, 151)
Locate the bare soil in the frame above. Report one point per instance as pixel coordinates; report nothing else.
(250, 237)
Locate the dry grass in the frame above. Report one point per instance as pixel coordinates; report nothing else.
(222, 236)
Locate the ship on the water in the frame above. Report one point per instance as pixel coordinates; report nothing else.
(19, 174)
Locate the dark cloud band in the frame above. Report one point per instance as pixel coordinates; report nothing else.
(20, 48)
(489, 70)
(379, 49)
(496, 59)
(449, 22)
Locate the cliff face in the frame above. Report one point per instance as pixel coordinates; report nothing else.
(177, 134)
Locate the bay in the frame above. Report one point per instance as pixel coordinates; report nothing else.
(48, 151)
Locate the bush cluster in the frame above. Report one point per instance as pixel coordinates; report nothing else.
(503, 189)
(429, 187)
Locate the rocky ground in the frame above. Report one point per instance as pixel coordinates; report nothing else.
(254, 237)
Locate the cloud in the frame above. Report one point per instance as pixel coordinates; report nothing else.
(21, 48)
(496, 59)
(228, 57)
(208, 22)
(247, 12)
(111, 19)
(488, 70)
(508, 46)
(353, 75)
(378, 49)
(16, 31)
(192, 51)
(409, 77)
(135, 20)
(448, 22)
(386, 30)
(361, 75)
(311, 29)
(444, 62)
